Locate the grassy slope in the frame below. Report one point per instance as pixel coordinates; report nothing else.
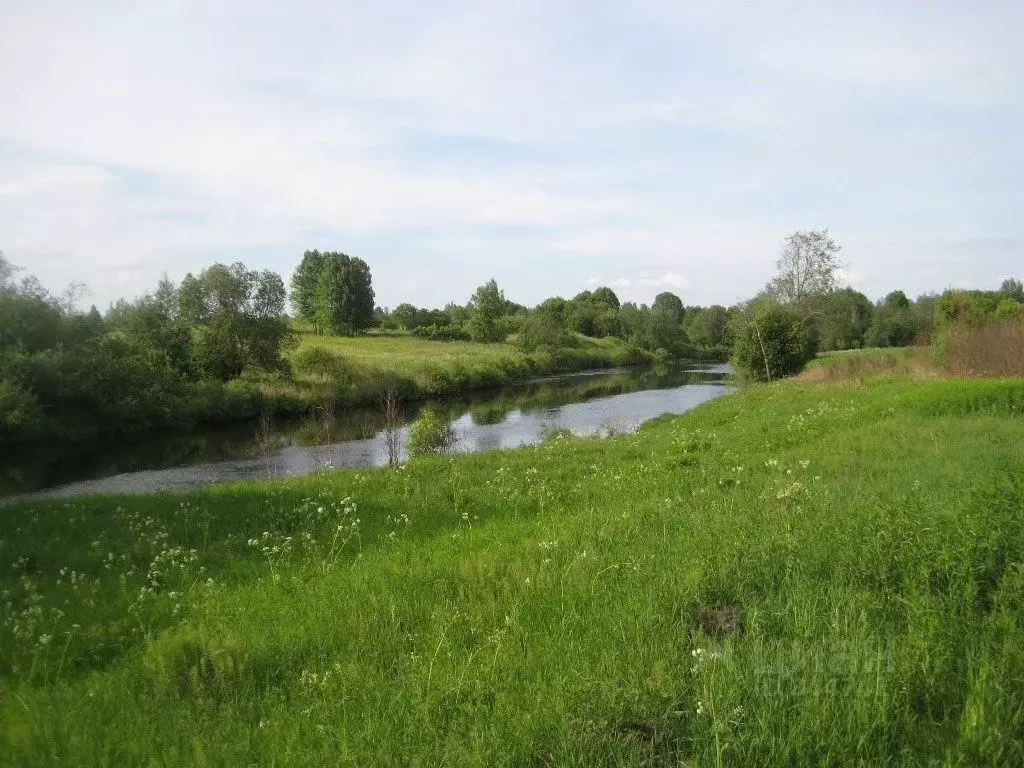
(396, 354)
(416, 360)
(543, 606)
(422, 368)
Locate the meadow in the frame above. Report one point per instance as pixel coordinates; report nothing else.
(355, 370)
(800, 573)
(401, 353)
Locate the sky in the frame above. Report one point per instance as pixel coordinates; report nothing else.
(553, 145)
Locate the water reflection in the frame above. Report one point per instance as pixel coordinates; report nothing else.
(585, 404)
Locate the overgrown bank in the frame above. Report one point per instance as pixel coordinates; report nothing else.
(355, 370)
(798, 573)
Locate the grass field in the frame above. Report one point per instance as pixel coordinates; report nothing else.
(400, 353)
(356, 368)
(802, 573)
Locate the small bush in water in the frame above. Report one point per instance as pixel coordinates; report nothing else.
(430, 434)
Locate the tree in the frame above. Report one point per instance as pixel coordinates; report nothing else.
(775, 342)
(30, 319)
(706, 327)
(593, 313)
(191, 300)
(635, 322)
(923, 313)
(891, 328)
(544, 328)
(487, 304)
(807, 266)
(268, 295)
(457, 314)
(666, 329)
(238, 318)
(304, 283)
(404, 315)
(357, 308)
(227, 288)
(1011, 287)
(965, 307)
(896, 300)
(7, 272)
(606, 296)
(334, 292)
(154, 324)
(165, 297)
(895, 323)
(1009, 309)
(63, 372)
(671, 304)
(843, 318)
(343, 301)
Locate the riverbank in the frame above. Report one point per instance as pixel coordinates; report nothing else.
(356, 370)
(610, 400)
(328, 375)
(798, 573)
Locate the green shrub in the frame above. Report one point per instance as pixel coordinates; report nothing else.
(20, 414)
(441, 333)
(544, 330)
(777, 342)
(430, 433)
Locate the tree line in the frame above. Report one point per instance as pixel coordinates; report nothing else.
(803, 310)
(205, 347)
(147, 362)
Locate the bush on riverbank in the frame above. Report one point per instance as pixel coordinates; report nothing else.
(776, 342)
(430, 434)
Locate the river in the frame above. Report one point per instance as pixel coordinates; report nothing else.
(592, 403)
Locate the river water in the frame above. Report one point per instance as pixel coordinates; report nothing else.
(593, 403)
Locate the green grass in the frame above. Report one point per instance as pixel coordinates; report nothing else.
(421, 368)
(795, 574)
(397, 354)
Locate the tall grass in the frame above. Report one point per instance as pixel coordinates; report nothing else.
(796, 574)
(991, 349)
(865, 363)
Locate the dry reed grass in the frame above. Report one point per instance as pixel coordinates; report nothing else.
(993, 349)
(912, 362)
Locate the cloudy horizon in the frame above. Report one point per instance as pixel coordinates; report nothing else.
(552, 146)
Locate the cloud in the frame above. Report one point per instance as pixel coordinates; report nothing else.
(536, 142)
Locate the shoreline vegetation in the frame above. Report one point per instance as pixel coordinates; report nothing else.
(219, 346)
(801, 572)
(33, 470)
